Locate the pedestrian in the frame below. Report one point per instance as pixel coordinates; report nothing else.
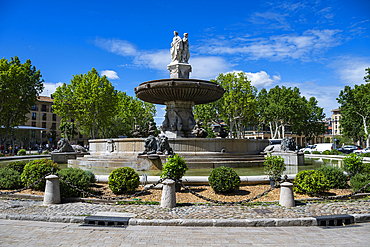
(15, 149)
(2, 149)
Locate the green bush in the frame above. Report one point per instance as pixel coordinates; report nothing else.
(91, 175)
(17, 165)
(326, 152)
(335, 176)
(45, 152)
(315, 152)
(35, 170)
(176, 166)
(123, 180)
(335, 152)
(21, 152)
(306, 152)
(359, 181)
(77, 177)
(312, 181)
(353, 164)
(365, 155)
(10, 179)
(2, 155)
(224, 179)
(274, 167)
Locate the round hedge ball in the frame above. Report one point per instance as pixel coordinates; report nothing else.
(224, 179)
(123, 180)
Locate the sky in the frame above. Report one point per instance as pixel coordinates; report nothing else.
(317, 46)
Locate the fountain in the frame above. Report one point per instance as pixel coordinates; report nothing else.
(179, 94)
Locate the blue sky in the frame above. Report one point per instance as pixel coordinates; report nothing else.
(318, 46)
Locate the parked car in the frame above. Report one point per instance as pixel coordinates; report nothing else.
(347, 149)
(321, 147)
(362, 151)
(307, 148)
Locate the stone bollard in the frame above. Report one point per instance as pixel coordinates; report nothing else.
(286, 195)
(52, 191)
(168, 194)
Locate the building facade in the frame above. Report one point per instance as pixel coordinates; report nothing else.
(43, 118)
(335, 121)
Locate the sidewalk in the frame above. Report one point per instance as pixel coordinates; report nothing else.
(255, 214)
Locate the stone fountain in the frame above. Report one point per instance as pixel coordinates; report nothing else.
(179, 94)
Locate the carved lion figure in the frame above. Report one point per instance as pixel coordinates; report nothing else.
(64, 146)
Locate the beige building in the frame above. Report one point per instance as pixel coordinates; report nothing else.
(46, 125)
(335, 121)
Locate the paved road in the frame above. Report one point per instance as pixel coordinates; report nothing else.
(31, 233)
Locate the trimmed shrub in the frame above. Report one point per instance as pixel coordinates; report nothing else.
(91, 175)
(359, 181)
(326, 152)
(335, 176)
(315, 152)
(353, 164)
(17, 165)
(36, 169)
(45, 152)
(122, 180)
(274, 167)
(335, 152)
(2, 155)
(21, 152)
(311, 180)
(306, 152)
(10, 179)
(176, 166)
(77, 177)
(365, 155)
(224, 179)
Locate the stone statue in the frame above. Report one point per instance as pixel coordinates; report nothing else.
(185, 50)
(288, 144)
(63, 146)
(79, 149)
(198, 131)
(163, 145)
(220, 131)
(137, 132)
(176, 48)
(150, 145)
(152, 128)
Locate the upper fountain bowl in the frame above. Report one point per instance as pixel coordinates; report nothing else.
(165, 90)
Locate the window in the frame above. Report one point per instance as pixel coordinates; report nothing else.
(53, 126)
(33, 115)
(33, 135)
(33, 124)
(43, 134)
(79, 136)
(54, 117)
(44, 117)
(34, 108)
(44, 108)
(44, 124)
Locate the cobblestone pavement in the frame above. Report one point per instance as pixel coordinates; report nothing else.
(203, 211)
(28, 233)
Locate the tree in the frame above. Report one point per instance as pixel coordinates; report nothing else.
(355, 110)
(309, 123)
(238, 105)
(20, 84)
(207, 114)
(280, 107)
(90, 99)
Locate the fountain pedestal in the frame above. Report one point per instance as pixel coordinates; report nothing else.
(179, 70)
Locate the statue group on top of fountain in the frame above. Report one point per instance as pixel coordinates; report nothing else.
(180, 49)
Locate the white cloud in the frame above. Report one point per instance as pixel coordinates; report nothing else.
(259, 79)
(208, 67)
(50, 88)
(154, 60)
(110, 74)
(117, 46)
(276, 47)
(351, 70)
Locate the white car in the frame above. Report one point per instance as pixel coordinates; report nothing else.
(361, 151)
(308, 148)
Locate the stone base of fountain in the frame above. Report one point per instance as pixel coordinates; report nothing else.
(198, 153)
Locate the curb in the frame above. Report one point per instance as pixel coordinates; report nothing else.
(267, 222)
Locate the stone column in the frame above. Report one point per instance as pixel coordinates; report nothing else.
(168, 194)
(286, 195)
(52, 191)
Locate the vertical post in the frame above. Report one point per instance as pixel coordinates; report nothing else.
(52, 190)
(168, 199)
(286, 195)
